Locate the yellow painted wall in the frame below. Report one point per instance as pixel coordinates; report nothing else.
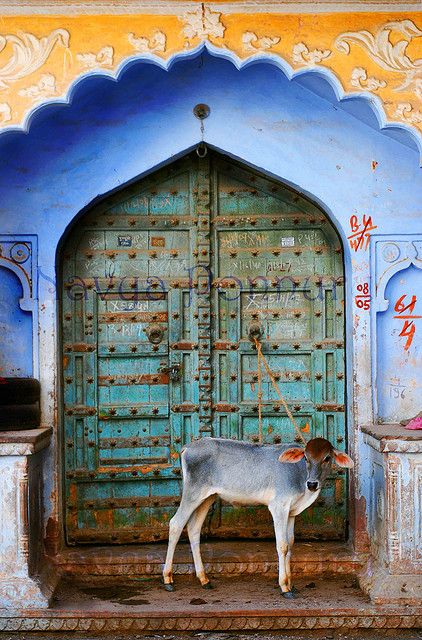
(40, 56)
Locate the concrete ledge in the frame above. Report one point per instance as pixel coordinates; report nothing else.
(24, 443)
(393, 438)
(382, 587)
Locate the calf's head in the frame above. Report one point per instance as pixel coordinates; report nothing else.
(319, 455)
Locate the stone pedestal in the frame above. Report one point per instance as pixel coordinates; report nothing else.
(21, 456)
(392, 476)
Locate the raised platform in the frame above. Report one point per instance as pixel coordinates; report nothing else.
(239, 603)
(220, 558)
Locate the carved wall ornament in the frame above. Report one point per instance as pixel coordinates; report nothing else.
(405, 112)
(360, 80)
(302, 55)
(203, 23)
(28, 54)
(252, 43)
(46, 86)
(393, 490)
(5, 112)
(390, 252)
(392, 45)
(19, 254)
(376, 618)
(389, 56)
(157, 43)
(104, 58)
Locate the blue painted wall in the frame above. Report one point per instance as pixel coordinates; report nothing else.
(114, 132)
(15, 329)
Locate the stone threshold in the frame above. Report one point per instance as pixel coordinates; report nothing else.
(238, 603)
(221, 557)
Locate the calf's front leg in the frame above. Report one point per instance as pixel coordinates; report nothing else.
(280, 514)
(290, 541)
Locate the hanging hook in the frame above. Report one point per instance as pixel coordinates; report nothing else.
(201, 111)
(201, 150)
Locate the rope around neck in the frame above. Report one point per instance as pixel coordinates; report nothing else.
(261, 358)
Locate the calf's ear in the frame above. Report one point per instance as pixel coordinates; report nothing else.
(292, 455)
(342, 459)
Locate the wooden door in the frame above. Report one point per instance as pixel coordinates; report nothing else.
(161, 283)
(277, 264)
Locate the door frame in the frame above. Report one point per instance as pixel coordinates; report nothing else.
(348, 388)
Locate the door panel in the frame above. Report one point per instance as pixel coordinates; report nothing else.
(278, 264)
(161, 283)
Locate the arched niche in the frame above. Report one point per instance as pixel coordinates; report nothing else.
(18, 259)
(397, 268)
(15, 328)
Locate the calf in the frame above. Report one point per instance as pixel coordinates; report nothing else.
(245, 473)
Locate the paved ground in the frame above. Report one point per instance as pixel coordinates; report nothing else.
(238, 596)
(237, 593)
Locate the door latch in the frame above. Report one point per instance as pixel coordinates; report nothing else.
(155, 333)
(255, 331)
(174, 372)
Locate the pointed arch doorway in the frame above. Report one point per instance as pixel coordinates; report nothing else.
(161, 282)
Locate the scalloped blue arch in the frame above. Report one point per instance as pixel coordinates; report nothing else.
(118, 129)
(316, 78)
(111, 136)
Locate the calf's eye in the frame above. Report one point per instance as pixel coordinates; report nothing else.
(327, 458)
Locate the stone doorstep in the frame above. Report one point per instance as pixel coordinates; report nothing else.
(238, 603)
(220, 557)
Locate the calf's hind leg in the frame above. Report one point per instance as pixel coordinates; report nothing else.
(187, 506)
(194, 532)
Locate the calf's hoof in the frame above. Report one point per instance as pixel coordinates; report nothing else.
(289, 595)
(208, 585)
(168, 586)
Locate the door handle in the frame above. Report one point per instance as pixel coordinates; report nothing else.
(255, 331)
(155, 333)
(174, 372)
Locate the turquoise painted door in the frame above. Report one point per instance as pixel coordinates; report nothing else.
(161, 283)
